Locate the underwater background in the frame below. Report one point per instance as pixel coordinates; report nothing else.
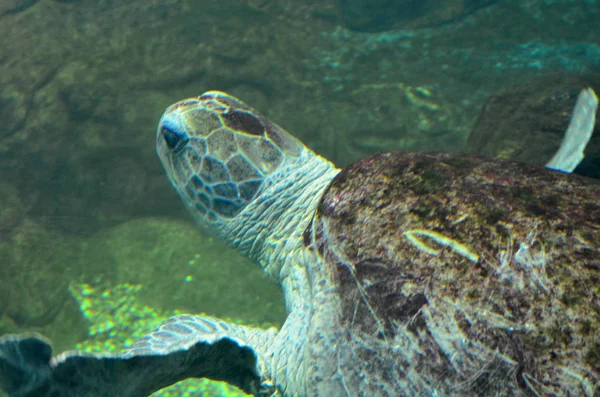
(96, 248)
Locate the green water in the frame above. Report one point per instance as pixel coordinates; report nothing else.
(95, 247)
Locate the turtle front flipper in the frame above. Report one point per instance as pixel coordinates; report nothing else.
(180, 348)
(578, 134)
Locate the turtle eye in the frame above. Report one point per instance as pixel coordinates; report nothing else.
(174, 141)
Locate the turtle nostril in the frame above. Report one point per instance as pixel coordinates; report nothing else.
(173, 140)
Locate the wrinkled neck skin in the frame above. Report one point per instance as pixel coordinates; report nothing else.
(270, 231)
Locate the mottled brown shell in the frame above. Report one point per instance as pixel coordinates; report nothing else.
(490, 268)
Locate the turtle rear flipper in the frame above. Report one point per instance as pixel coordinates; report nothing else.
(182, 347)
(578, 134)
(24, 364)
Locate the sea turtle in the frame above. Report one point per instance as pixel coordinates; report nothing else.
(405, 274)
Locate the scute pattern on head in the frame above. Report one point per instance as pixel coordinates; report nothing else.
(239, 120)
(218, 151)
(463, 268)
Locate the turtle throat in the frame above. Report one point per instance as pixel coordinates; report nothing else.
(269, 229)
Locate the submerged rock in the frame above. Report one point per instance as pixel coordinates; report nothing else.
(35, 270)
(14, 6)
(527, 123)
(12, 211)
(180, 268)
(380, 15)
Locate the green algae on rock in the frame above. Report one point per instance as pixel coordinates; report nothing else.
(181, 268)
(117, 318)
(36, 268)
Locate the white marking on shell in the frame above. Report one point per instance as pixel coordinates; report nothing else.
(415, 237)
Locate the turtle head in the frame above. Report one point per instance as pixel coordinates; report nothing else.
(241, 176)
(218, 152)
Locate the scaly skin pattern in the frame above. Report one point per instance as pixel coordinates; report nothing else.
(250, 182)
(462, 276)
